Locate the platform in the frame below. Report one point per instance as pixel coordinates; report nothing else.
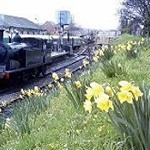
(55, 54)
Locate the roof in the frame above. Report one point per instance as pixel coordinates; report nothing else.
(18, 22)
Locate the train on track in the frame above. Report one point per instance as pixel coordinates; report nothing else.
(33, 53)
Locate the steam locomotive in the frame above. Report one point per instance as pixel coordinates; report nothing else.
(32, 55)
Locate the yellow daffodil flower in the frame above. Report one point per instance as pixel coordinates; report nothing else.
(101, 97)
(96, 88)
(125, 86)
(29, 93)
(125, 96)
(59, 85)
(95, 59)
(87, 106)
(123, 47)
(23, 92)
(139, 43)
(115, 52)
(67, 73)
(85, 63)
(109, 91)
(36, 89)
(101, 53)
(4, 103)
(77, 84)
(103, 102)
(129, 47)
(135, 43)
(50, 85)
(89, 93)
(136, 92)
(55, 76)
(96, 53)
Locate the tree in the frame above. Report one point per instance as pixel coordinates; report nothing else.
(135, 12)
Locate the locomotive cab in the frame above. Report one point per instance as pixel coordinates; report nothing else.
(3, 52)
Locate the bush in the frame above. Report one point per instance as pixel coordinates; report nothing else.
(113, 68)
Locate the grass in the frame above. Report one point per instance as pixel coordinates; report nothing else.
(62, 127)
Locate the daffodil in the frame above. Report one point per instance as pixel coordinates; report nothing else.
(129, 47)
(139, 43)
(136, 92)
(29, 93)
(50, 85)
(77, 84)
(55, 76)
(109, 91)
(89, 93)
(101, 97)
(85, 63)
(125, 86)
(67, 73)
(103, 102)
(115, 52)
(112, 47)
(23, 92)
(59, 85)
(119, 45)
(87, 106)
(101, 53)
(96, 88)
(36, 89)
(95, 59)
(4, 103)
(96, 53)
(123, 47)
(125, 96)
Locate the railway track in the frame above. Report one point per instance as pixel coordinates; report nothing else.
(73, 63)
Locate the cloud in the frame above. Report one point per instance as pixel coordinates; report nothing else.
(87, 13)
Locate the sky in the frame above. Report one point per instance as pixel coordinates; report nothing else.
(93, 14)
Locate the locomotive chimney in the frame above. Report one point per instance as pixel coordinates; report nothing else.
(1, 35)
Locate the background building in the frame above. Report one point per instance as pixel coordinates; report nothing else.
(10, 24)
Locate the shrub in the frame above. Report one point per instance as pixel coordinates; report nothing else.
(113, 68)
(108, 53)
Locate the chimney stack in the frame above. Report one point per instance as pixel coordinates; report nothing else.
(1, 35)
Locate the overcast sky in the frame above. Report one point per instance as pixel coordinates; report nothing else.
(98, 14)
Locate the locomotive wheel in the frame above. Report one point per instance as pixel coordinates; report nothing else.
(43, 70)
(37, 72)
(15, 79)
(40, 70)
